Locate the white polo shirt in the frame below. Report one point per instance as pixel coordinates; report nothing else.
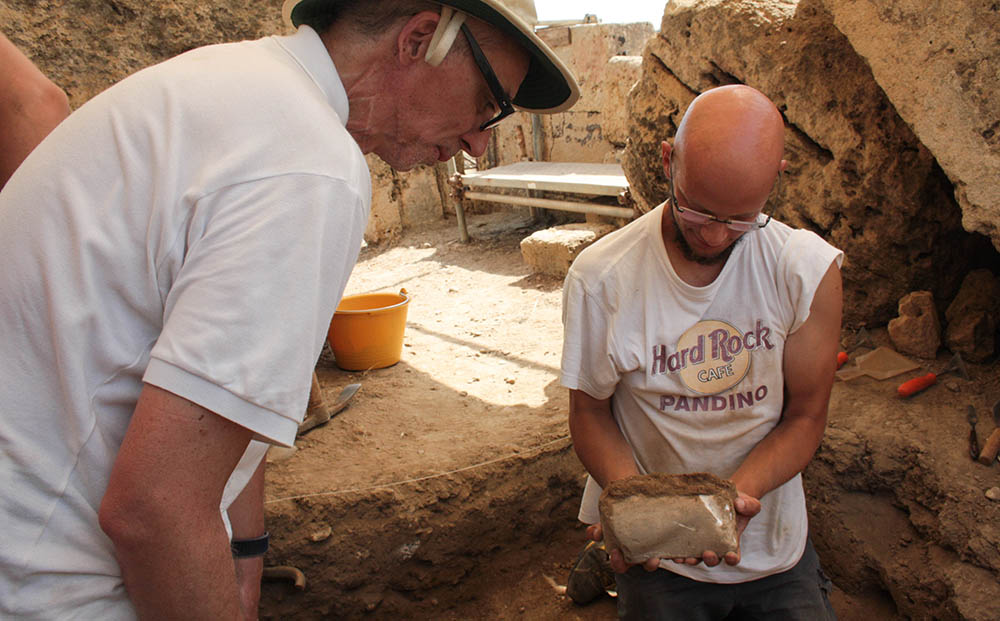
(192, 227)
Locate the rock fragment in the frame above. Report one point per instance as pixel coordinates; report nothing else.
(973, 316)
(917, 330)
(669, 516)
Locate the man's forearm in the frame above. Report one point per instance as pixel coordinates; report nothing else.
(182, 575)
(782, 454)
(246, 516)
(599, 444)
(161, 509)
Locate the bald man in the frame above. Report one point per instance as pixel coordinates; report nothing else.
(702, 337)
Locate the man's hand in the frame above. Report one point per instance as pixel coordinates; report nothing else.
(596, 532)
(746, 507)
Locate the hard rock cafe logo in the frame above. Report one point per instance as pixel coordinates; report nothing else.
(712, 356)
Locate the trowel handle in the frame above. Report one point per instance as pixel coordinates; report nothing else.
(915, 385)
(991, 448)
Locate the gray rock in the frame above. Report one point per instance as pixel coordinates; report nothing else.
(669, 516)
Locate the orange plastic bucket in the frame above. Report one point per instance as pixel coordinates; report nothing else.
(367, 330)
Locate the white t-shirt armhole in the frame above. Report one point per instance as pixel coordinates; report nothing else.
(804, 262)
(268, 426)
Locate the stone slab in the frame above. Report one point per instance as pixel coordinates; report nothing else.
(669, 516)
(551, 251)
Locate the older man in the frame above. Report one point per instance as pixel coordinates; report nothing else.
(702, 338)
(174, 252)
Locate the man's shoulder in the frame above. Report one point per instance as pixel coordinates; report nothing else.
(789, 243)
(615, 253)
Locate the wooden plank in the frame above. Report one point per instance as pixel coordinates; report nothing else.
(596, 179)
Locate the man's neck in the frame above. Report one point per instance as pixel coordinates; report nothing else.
(362, 70)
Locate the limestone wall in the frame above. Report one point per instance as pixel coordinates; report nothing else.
(605, 59)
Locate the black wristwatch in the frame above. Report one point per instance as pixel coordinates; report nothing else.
(249, 548)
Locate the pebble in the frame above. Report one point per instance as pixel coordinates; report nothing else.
(993, 493)
(321, 534)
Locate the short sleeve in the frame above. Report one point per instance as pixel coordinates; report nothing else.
(247, 312)
(587, 362)
(804, 261)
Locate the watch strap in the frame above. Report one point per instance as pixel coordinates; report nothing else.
(249, 548)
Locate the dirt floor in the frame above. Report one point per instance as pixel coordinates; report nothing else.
(448, 488)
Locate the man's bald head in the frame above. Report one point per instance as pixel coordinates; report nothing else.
(729, 145)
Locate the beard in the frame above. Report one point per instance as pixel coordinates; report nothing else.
(689, 252)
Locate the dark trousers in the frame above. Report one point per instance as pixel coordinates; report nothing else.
(802, 592)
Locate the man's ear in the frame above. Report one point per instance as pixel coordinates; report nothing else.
(666, 150)
(415, 37)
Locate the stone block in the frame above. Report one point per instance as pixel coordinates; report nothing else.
(551, 251)
(622, 73)
(980, 291)
(973, 336)
(973, 317)
(669, 516)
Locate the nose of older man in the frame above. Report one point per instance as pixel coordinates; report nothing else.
(474, 142)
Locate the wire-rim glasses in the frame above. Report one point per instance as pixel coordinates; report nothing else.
(698, 218)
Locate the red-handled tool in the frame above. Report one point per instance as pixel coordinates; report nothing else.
(861, 339)
(917, 384)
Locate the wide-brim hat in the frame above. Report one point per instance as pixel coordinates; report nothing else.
(549, 85)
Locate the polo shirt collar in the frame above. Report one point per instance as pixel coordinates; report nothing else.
(310, 52)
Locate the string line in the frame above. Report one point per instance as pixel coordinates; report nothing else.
(418, 479)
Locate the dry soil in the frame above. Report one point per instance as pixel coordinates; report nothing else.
(448, 488)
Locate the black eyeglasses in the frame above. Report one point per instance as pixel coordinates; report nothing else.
(701, 219)
(502, 98)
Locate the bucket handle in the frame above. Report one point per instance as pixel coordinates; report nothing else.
(402, 292)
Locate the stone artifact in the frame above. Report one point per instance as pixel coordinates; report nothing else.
(917, 330)
(669, 516)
